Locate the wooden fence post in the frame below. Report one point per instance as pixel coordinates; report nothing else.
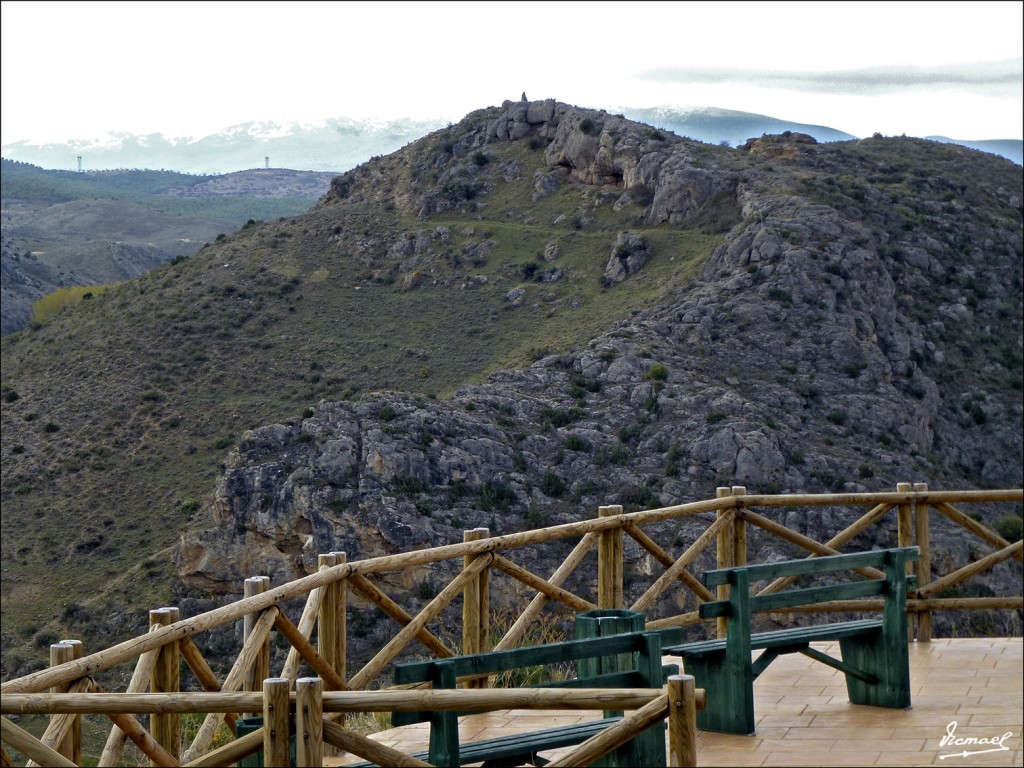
(332, 628)
(682, 721)
(166, 678)
(475, 607)
(924, 562)
(260, 669)
(739, 533)
(724, 548)
(905, 538)
(76, 728)
(609, 562)
(331, 624)
(276, 739)
(60, 653)
(309, 729)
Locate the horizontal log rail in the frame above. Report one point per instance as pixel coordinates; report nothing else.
(129, 649)
(651, 705)
(725, 519)
(335, 701)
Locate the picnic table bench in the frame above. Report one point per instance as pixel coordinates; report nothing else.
(874, 651)
(644, 671)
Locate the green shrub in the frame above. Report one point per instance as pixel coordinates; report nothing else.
(535, 518)
(581, 385)
(531, 270)
(672, 458)
(638, 497)
(552, 485)
(426, 590)
(1010, 528)
(656, 372)
(557, 417)
(496, 495)
(409, 485)
(577, 443)
(978, 414)
(628, 433)
(620, 454)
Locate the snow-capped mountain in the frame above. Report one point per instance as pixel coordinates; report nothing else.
(327, 145)
(341, 143)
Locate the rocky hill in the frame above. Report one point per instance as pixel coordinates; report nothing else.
(532, 312)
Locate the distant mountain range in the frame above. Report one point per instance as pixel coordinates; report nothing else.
(339, 144)
(327, 145)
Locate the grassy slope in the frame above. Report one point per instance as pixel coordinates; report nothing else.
(147, 386)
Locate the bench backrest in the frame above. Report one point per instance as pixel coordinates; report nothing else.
(550, 653)
(893, 586)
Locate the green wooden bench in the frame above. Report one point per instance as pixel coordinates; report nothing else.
(645, 670)
(874, 651)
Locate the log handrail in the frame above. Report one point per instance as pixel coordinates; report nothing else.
(129, 649)
(482, 554)
(391, 700)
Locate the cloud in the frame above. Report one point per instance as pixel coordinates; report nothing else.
(993, 78)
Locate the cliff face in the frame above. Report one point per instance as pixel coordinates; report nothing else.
(859, 326)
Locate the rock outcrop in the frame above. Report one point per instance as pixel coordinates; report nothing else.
(798, 362)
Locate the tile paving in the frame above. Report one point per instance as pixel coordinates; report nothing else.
(805, 719)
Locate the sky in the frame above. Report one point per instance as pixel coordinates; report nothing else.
(78, 70)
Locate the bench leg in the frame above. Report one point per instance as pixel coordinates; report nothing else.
(444, 739)
(730, 694)
(889, 662)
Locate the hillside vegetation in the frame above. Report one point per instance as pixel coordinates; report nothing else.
(62, 229)
(623, 313)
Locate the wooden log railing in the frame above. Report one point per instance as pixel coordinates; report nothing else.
(302, 714)
(477, 559)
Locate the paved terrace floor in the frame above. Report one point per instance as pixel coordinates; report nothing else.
(805, 719)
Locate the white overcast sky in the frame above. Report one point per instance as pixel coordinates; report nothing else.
(80, 69)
